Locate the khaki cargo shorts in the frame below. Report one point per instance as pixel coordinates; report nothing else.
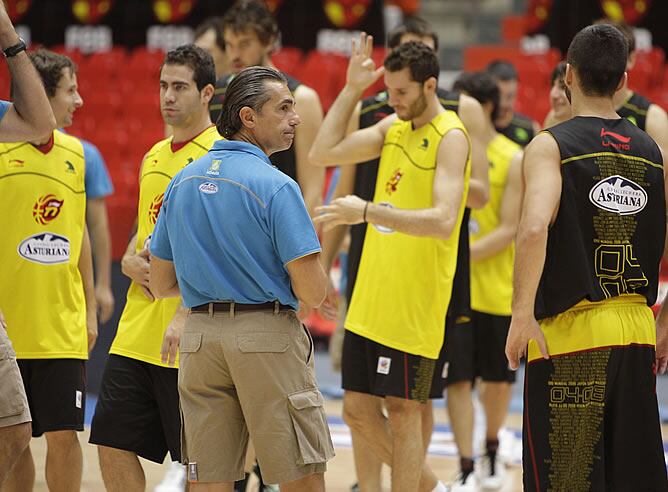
(13, 402)
(250, 373)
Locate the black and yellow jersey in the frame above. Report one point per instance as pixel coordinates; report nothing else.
(635, 109)
(520, 130)
(608, 236)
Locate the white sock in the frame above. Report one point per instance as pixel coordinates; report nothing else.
(440, 487)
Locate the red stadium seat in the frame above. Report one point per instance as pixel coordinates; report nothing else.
(287, 59)
(325, 72)
(513, 28)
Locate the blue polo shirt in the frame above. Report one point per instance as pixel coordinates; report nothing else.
(230, 222)
(4, 106)
(98, 183)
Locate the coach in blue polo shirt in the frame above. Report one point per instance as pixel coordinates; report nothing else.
(235, 233)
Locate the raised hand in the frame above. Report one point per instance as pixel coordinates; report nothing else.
(362, 71)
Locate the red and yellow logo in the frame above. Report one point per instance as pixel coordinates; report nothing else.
(170, 11)
(46, 209)
(393, 183)
(154, 208)
(91, 11)
(346, 13)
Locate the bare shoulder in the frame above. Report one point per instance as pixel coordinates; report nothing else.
(542, 147)
(305, 95)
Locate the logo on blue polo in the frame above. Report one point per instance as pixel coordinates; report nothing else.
(214, 169)
(618, 194)
(45, 248)
(209, 188)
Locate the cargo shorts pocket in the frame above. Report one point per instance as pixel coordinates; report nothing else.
(13, 401)
(190, 343)
(310, 423)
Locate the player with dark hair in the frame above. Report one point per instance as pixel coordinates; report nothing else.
(360, 180)
(250, 33)
(209, 36)
(633, 106)
(516, 126)
(137, 411)
(591, 236)
(390, 347)
(560, 106)
(481, 354)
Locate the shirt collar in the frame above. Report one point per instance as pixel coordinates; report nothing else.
(236, 145)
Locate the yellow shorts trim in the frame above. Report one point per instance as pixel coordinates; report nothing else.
(616, 322)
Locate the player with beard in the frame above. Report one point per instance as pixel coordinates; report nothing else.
(394, 326)
(250, 34)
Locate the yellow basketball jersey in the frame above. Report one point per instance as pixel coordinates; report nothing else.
(404, 282)
(44, 215)
(492, 278)
(143, 323)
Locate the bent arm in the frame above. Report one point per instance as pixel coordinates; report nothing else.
(439, 220)
(542, 184)
(473, 117)
(311, 178)
(657, 126)
(30, 115)
(308, 279)
(162, 279)
(511, 206)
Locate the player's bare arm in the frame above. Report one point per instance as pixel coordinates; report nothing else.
(437, 221)
(311, 178)
(542, 191)
(30, 116)
(162, 279)
(511, 207)
(656, 125)
(662, 317)
(473, 117)
(332, 145)
(98, 226)
(86, 271)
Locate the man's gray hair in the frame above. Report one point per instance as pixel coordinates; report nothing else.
(247, 89)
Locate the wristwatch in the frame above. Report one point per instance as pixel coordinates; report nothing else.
(15, 49)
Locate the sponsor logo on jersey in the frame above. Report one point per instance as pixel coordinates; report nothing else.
(46, 209)
(474, 227)
(521, 134)
(208, 188)
(425, 144)
(16, 163)
(45, 248)
(618, 194)
(615, 140)
(393, 183)
(380, 228)
(70, 167)
(214, 169)
(154, 208)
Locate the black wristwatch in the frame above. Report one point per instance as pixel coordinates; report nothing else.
(15, 49)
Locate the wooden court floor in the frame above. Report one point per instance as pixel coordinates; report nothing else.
(339, 478)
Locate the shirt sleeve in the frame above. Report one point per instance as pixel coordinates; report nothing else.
(98, 184)
(4, 107)
(291, 227)
(160, 244)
